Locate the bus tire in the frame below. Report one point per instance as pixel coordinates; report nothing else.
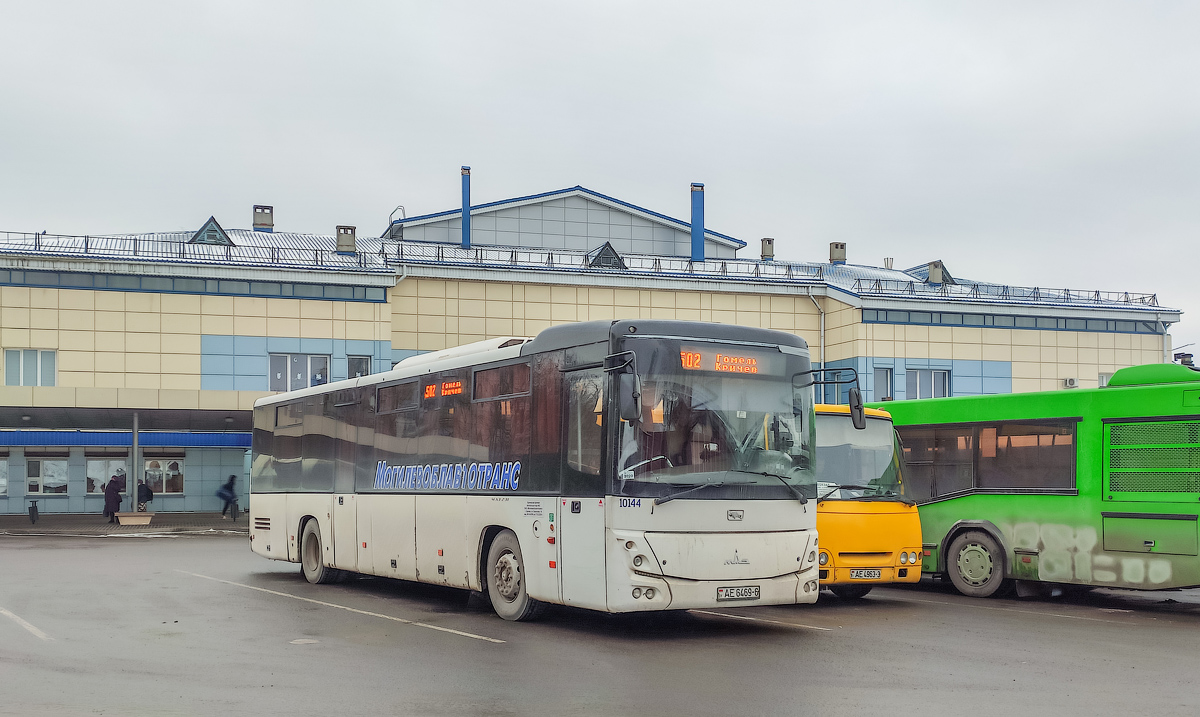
(850, 592)
(312, 563)
(975, 564)
(506, 580)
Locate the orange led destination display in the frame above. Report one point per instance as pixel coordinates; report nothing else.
(445, 388)
(741, 362)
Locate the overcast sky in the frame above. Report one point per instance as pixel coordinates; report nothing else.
(1027, 143)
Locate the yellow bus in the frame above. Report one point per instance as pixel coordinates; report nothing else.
(869, 530)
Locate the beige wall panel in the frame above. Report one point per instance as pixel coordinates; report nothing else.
(1152, 343)
(1026, 369)
(256, 306)
(181, 304)
(1068, 355)
(54, 396)
(537, 311)
(43, 339)
(498, 309)
(1048, 354)
(15, 296)
(143, 343)
(177, 398)
(42, 318)
(535, 326)
(181, 344)
(95, 397)
(1123, 341)
(724, 317)
(143, 380)
(77, 340)
(667, 314)
(1106, 341)
(246, 399)
(404, 322)
(76, 299)
(111, 361)
(363, 331)
(143, 322)
(883, 332)
(993, 352)
(431, 305)
(143, 363)
(916, 349)
(432, 342)
(407, 287)
(662, 299)
(78, 379)
(76, 361)
(471, 325)
(182, 381)
(1031, 354)
(688, 314)
(882, 349)
(219, 305)
(1090, 340)
(110, 321)
(17, 318)
(250, 325)
(315, 328)
(219, 399)
(471, 307)
(941, 334)
(916, 333)
(1025, 385)
(143, 302)
(216, 324)
(316, 310)
(498, 327)
(110, 380)
(1089, 356)
(286, 308)
(183, 324)
(1048, 338)
(288, 327)
(1022, 337)
(404, 340)
(44, 298)
(563, 295)
(431, 288)
(16, 395)
(967, 352)
(537, 294)
(627, 297)
(781, 322)
(966, 335)
(15, 339)
(476, 291)
(77, 319)
(1124, 357)
(723, 302)
(1066, 338)
(687, 300)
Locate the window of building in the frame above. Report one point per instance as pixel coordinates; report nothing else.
(102, 469)
(292, 371)
(927, 383)
(164, 474)
(1104, 379)
(358, 366)
(3, 473)
(29, 367)
(46, 475)
(883, 384)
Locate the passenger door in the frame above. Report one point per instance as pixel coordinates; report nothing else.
(581, 568)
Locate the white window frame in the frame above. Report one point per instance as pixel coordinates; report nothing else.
(111, 465)
(40, 478)
(164, 462)
(297, 362)
(22, 359)
(933, 377)
(1104, 378)
(4, 474)
(890, 383)
(349, 374)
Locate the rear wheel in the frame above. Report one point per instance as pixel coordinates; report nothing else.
(312, 557)
(975, 564)
(506, 580)
(850, 592)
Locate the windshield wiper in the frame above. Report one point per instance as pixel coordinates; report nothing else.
(668, 498)
(848, 486)
(799, 496)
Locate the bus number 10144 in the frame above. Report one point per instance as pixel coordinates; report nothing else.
(630, 503)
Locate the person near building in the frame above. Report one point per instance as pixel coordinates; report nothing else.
(144, 495)
(227, 494)
(112, 499)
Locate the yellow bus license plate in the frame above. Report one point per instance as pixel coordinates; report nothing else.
(864, 574)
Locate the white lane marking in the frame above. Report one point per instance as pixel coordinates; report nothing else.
(760, 619)
(1024, 612)
(17, 619)
(414, 623)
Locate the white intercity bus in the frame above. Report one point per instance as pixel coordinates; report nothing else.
(618, 466)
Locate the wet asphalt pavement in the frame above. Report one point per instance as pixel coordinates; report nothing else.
(189, 625)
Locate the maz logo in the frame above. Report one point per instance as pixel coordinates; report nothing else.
(734, 515)
(737, 560)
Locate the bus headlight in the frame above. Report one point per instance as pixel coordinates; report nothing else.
(912, 558)
(649, 593)
(824, 559)
(904, 558)
(637, 561)
(811, 556)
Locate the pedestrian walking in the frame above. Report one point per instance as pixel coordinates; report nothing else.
(144, 495)
(227, 494)
(112, 499)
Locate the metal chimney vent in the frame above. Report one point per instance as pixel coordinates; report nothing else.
(345, 240)
(935, 272)
(887, 262)
(768, 249)
(264, 218)
(837, 252)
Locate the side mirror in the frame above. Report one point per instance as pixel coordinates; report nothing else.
(629, 393)
(857, 415)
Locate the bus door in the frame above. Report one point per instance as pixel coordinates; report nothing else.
(345, 450)
(581, 569)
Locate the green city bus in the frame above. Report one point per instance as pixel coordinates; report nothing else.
(1093, 487)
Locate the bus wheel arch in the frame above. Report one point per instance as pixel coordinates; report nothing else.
(312, 554)
(975, 562)
(963, 526)
(505, 579)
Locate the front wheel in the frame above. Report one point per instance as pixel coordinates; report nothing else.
(975, 564)
(850, 592)
(506, 580)
(312, 559)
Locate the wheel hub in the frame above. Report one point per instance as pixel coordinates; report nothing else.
(975, 564)
(508, 576)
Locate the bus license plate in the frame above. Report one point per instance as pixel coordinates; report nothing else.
(745, 592)
(864, 574)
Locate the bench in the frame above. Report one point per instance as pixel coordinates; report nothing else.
(134, 518)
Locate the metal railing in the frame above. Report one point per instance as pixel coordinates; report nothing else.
(1000, 292)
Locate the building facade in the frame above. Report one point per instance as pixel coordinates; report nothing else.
(141, 355)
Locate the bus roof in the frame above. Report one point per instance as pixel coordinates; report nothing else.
(1154, 373)
(845, 410)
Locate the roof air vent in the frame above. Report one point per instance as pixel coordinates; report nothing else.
(768, 249)
(345, 240)
(837, 252)
(264, 218)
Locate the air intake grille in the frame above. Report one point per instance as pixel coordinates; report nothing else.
(262, 523)
(1159, 457)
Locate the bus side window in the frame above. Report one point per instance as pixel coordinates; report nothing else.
(584, 433)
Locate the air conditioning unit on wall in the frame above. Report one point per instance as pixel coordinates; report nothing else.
(1070, 383)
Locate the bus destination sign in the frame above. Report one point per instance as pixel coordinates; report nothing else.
(722, 361)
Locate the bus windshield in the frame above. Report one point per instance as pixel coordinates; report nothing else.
(736, 420)
(857, 465)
